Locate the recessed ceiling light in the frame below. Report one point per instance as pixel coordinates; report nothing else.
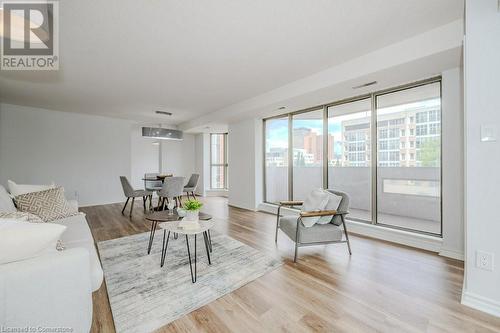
(164, 113)
(365, 85)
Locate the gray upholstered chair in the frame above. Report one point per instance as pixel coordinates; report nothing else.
(171, 190)
(191, 185)
(319, 233)
(129, 192)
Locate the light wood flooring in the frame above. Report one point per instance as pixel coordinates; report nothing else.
(382, 287)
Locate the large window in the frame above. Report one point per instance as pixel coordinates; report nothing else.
(218, 161)
(307, 152)
(383, 149)
(409, 193)
(349, 154)
(276, 159)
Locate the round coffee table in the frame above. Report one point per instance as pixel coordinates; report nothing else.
(176, 228)
(165, 216)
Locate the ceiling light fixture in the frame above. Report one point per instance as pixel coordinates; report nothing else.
(282, 108)
(166, 113)
(161, 133)
(365, 85)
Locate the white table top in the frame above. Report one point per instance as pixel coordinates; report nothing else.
(174, 227)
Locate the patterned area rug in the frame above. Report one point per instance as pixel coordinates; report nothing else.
(145, 297)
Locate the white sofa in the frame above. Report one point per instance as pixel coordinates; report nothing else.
(53, 290)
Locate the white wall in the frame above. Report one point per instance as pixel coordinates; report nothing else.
(482, 159)
(144, 157)
(245, 163)
(202, 162)
(85, 154)
(452, 164)
(178, 157)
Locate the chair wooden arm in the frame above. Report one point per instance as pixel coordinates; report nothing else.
(318, 213)
(291, 203)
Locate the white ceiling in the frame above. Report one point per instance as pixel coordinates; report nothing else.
(125, 58)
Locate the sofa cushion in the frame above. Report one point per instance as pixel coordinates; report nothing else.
(21, 240)
(18, 189)
(96, 273)
(319, 233)
(50, 204)
(316, 200)
(21, 216)
(6, 203)
(77, 229)
(332, 204)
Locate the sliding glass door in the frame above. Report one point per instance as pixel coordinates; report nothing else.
(349, 154)
(383, 149)
(409, 158)
(307, 141)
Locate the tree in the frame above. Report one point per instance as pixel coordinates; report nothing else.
(430, 153)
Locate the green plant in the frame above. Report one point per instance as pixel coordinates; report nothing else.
(192, 205)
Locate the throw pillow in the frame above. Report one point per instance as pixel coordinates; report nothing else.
(316, 200)
(332, 204)
(23, 240)
(49, 205)
(6, 203)
(18, 189)
(21, 217)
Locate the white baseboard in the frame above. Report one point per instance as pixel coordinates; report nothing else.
(453, 254)
(419, 241)
(481, 303)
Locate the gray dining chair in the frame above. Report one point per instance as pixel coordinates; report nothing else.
(191, 185)
(129, 192)
(171, 190)
(318, 234)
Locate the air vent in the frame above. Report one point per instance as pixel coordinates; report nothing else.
(365, 85)
(164, 113)
(161, 133)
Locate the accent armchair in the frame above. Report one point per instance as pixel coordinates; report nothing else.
(318, 234)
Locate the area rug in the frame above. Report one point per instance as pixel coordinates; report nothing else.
(145, 297)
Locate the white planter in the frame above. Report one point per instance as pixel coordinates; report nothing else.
(192, 215)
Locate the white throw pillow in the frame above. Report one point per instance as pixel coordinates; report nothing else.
(332, 204)
(23, 240)
(316, 200)
(6, 203)
(19, 189)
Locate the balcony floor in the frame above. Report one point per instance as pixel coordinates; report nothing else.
(399, 221)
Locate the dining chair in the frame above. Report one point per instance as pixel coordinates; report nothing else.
(318, 234)
(171, 190)
(191, 185)
(129, 192)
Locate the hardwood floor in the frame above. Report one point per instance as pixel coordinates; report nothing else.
(382, 287)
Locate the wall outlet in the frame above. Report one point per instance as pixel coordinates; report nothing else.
(484, 260)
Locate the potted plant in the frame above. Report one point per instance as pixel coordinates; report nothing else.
(192, 208)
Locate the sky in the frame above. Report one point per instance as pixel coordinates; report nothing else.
(277, 129)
